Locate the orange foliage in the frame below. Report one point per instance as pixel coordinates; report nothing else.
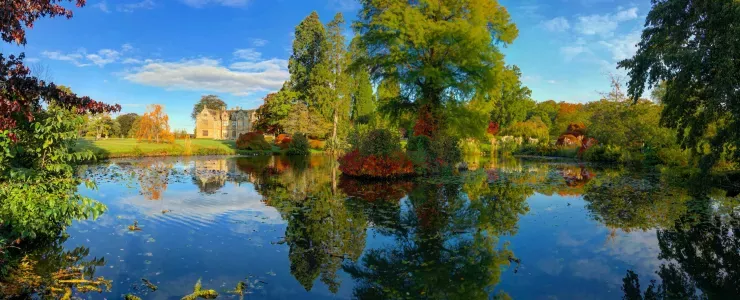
(568, 108)
(283, 140)
(316, 144)
(576, 129)
(154, 126)
(493, 128)
(568, 140)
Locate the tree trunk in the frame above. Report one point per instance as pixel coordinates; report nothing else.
(334, 132)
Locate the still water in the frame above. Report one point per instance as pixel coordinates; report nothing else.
(297, 229)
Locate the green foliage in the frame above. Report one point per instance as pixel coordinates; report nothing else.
(298, 145)
(515, 101)
(126, 123)
(208, 101)
(364, 104)
(438, 52)
(690, 47)
(301, 119)
(532, 128)
(433, 155)
(604, 153)
(379, 142)
(38, 190)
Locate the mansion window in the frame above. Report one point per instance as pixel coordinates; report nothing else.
(205, 132)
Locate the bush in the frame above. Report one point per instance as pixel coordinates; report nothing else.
(601, 153)
(674, 157)
(283, 141)
(254, 141)
(431, 156)
(379, 142)
(298, 145)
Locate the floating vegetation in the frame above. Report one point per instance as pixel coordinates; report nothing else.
(240, 289)
(134, 227)
(164, 211)
(149, 284)
(21, 278)
(74, 277)
(131, 297)
(199, 292)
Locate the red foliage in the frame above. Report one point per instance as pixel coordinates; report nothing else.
(493, 128)
(283, 140)
(425, 123)
(21, 93)
(395, 165)
(568, 108)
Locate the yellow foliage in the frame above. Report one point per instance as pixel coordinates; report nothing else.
(154, 126)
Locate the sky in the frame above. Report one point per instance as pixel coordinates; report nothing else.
(171, 52)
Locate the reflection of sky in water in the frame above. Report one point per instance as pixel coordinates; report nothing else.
(231, 235)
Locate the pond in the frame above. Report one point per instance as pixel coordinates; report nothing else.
(297, 229)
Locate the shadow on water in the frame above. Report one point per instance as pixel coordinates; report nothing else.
(425, 238)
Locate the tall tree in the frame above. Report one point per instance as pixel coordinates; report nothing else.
(364, 102)
(440, 52)
(338, 59)
(210, 102)
(515, 102)
(692, 45)
(126, 121)
(309, 50)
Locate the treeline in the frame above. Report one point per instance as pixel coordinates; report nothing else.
(153, 126)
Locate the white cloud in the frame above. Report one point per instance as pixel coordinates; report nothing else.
(130, 61)
(127, 47)
(131, 7)
(205, 74)
(103, 57)
(72, 57)
(259, 42)
(201, 3)
(103, 6)
(604, 25)
(247, 54)
(558, 24)
(100, 58)
(572, 51)
(623, 47)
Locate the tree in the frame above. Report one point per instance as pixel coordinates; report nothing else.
(516, 101)
(440, 52)
(338, 60)
(210, 102)
(38, 189)
(154, 126)
(126, 122)
(300, 120)
(363, 99)
(692, 47)
(99, 126)
(309, 51)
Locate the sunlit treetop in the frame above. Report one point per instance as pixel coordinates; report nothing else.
(18, 14)
(438, 50)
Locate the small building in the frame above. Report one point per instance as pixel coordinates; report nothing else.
(224, 124)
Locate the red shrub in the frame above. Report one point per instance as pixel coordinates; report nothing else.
(394, 165)
(283, 141)
(568, 140)
(576, 129)
(372, 191)
(493, 128)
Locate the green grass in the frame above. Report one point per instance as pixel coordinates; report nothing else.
(112, 148)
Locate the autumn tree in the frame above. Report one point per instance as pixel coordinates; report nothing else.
(692, 46)
(208, 101)
(154, 126)
(442, 53)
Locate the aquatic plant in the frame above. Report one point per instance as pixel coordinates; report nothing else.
(149, 284)
(240, 289)
(199, 292)
(134, 227)
(131, 297)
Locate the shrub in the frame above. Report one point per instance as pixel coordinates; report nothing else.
(283, 141)
(379, 142)
(674, 157)
(433, 155)
(600, 153)
(254, 141)
(298, 145)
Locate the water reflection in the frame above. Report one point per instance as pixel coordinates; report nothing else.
(290, 228)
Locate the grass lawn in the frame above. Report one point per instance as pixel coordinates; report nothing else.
(111, 148)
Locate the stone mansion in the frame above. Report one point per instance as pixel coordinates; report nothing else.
(224, 124)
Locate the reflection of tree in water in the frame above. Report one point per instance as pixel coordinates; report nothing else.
(44, 268)
(153, 177)
(445, 243)
(322, 232)
(628, 203)
(702, 254)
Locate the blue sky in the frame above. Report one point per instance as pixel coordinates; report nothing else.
(139, 52)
